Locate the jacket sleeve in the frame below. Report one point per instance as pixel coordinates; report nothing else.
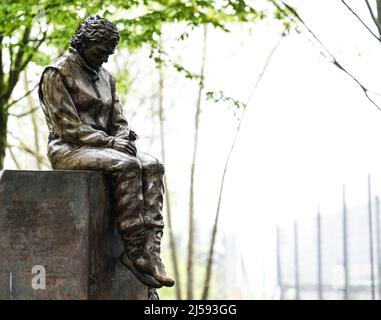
(63, 114)
(119, 124)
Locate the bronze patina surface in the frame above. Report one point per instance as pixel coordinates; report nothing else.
(88, 131)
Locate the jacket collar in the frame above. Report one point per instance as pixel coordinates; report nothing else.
(93, 74)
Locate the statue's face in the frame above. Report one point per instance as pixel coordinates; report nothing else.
(96, 53)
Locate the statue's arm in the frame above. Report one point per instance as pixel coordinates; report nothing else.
(119, 124)
(63, 114)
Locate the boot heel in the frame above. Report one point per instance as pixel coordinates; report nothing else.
(143, 278)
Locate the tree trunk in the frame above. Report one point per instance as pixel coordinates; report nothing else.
(34, 120)
(3, 135)
(208, 273)
(193, 170)
(168, 206)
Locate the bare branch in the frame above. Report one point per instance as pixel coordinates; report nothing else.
(208, 273)
(33, 118)
(332, 59)
(17, 164)
(26, 113)
(168, 207)
(24, 147)
(364, 89)
(378, 2)
(191, 230)
(19, 99)
(374, 18)
(362, 22)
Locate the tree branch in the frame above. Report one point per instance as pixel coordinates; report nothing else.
(19, 99)
(379, 13)
(374, 18)
(168, 206)
(27, 149)
(1, 65)
(14, 70)
(208, 272)
(22, 47)
(20, 63)
(31, 54)
(332, 59)
(26, 113)
(191, 230)
(33, 118)
(362, 22)
(13, 157)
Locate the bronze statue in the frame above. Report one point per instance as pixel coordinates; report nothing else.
(88, 131)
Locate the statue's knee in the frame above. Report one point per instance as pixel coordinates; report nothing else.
(155, 167)
(131, 164)
(160, 167)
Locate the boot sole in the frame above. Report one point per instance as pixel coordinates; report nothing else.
(167, 283)
(143, 278)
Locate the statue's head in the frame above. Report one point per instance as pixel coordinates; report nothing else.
(95, 40)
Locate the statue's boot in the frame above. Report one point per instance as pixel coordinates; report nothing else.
(149, 262)
(142, 235)
(134, 244)
(142, 277)
(129, 205)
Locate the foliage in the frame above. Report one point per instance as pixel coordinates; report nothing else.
(30, 28)
(221, 97)
(139, 21)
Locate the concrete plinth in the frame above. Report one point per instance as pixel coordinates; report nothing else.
(60, 222)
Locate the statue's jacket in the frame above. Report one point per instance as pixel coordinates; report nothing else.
(81, 105)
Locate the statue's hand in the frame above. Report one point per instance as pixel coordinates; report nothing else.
(126, 146)
(132, 136)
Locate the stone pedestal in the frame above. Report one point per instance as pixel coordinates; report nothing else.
(62, 221)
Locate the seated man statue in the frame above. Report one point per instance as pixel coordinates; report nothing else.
(87, 131)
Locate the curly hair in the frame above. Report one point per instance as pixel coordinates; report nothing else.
(94, 29)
